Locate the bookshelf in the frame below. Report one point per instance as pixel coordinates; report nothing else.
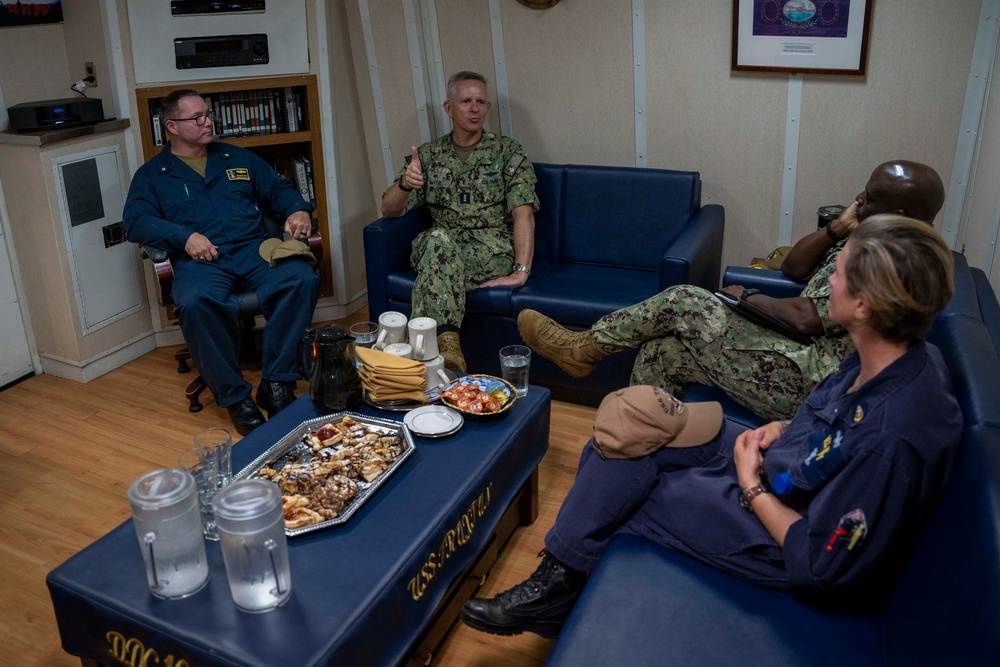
(257, 129)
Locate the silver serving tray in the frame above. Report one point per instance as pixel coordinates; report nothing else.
(365, 489)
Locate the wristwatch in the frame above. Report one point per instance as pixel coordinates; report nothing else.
(748, 495)
(747, 293)
(521, 268)
(829, 232)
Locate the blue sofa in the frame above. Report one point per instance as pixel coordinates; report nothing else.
(605, 238)
(648, 605)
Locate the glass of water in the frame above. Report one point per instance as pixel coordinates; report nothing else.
(364, 334)
(515, 360)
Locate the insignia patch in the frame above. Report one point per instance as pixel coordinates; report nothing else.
(513, 164)
(239, 174)
(859, 411)
(853, 526)
(463, 197)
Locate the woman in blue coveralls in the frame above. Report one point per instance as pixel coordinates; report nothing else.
(822, 503)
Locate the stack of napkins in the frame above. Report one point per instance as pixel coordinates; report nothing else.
(386, 377)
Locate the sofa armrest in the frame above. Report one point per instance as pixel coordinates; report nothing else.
(695, 256)
(771, 283)
(388, 242)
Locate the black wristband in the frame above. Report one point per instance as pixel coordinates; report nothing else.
(747, 293)
(401, 187)
(830, 233)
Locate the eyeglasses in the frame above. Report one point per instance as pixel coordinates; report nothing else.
(199, 119)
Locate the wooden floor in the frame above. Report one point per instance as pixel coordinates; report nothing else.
(69, 451)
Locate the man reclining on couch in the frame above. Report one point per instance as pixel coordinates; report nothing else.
(825, 503)
(687, 335)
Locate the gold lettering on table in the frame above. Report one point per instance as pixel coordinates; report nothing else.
(450, 541)
(131, 652)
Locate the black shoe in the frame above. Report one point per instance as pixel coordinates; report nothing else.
(540, 605)
(245, 415)
(274, 397)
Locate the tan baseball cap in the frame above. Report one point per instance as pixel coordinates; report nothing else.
(275, 250)
(639, 420)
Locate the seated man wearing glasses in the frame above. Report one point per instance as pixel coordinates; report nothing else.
(199, 200)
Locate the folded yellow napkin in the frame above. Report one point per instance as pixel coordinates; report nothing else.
(389, 363)
(371, 378)
(381, 394)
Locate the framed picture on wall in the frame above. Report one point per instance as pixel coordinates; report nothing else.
(810, 36)
(14, 13)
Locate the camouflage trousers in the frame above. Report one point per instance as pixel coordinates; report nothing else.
(450, 263)
(685, 334)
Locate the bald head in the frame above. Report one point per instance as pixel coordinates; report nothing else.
(901, 186)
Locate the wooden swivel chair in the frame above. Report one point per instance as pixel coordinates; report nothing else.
(248, 311)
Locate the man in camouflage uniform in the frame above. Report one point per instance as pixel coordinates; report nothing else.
(480, 189)
(686, 334)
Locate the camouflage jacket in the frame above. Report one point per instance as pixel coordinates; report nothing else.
(819, 359)
(482, 192)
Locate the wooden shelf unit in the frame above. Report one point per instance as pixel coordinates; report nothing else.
(307, 141)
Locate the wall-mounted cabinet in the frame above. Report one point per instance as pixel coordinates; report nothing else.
(275, 117)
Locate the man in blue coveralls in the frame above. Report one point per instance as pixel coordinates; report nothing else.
(198, 200)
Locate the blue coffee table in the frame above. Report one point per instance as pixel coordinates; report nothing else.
(382, 589)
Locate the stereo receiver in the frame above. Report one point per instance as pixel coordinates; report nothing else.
(52, 114)
(221, 51)
(215, 7)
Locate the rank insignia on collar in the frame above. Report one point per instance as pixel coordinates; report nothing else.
(859, 412)
(240, 174)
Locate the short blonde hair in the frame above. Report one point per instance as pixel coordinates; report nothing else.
(906, 271)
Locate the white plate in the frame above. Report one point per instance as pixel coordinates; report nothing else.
(433, 421)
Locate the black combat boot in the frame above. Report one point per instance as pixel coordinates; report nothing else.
(541, 604)
(274, 396)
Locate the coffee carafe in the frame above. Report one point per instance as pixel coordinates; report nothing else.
(326, 359)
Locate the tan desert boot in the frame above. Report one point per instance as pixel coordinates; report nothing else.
(575, 352)
(450, 347)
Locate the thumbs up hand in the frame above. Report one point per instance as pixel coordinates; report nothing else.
(413, 177)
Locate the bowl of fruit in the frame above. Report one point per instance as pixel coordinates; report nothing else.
(479, 396)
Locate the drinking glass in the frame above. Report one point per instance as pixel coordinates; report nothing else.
(364, 334)
(204, 467)
(217, 443)
(515, 361)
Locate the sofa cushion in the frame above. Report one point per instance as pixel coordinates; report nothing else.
(578, 295)
(549, 216)
(946, 605)
(626, 216)
(965, 300)
(988, 305)
(555, 289)
(968, 351)
(648, 605)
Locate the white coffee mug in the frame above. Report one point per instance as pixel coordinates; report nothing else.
(400, 350)
(392, 329)
(435, 374)
(423, 338)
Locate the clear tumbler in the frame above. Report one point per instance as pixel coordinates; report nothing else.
(168, 525)
(251, 528)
